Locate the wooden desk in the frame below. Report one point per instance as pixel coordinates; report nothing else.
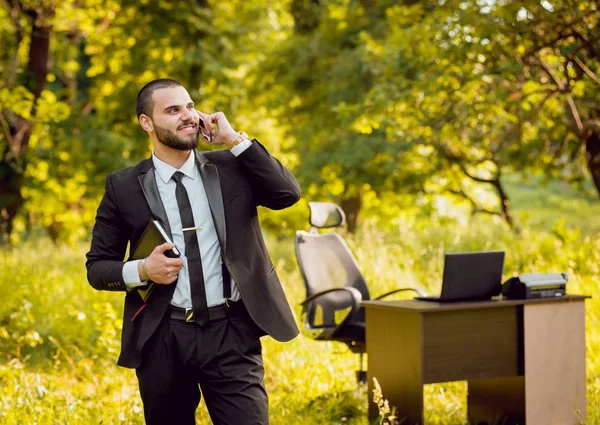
(524, 360)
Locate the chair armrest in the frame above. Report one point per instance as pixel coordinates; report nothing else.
(326, 331)
(420, 292)
(354, 293)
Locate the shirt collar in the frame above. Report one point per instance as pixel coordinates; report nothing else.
(166, 171)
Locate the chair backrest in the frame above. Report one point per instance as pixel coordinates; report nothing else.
(324, 215)
(326, 262)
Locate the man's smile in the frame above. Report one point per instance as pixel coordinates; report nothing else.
(188, 128)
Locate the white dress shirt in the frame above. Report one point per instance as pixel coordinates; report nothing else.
(210, 250)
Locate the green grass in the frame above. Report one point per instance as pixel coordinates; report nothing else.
(540, 204)
(59, 338)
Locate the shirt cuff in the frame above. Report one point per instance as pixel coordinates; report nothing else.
(131, 277)
(238, 149)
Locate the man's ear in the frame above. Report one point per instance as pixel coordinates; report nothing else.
(146, 122)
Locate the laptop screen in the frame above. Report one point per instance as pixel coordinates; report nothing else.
(472, 275)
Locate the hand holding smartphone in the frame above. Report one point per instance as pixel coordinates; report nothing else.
(216, 129)
(204, 131)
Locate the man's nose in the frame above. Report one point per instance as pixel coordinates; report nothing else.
(188, 115)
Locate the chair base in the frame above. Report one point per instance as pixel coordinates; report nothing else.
(361, 373)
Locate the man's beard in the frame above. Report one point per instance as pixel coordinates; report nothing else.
(170, 139)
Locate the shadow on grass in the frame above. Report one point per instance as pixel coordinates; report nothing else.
(346, 407)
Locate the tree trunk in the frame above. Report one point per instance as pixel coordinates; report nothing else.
(505, 210)
(14, 160)
(351, 207)
(592, 148)
(39, 53)
(11, 199)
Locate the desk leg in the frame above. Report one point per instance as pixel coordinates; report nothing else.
(395, 359)
(552, 390)
(554, 345)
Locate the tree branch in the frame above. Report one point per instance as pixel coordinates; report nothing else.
(6, 128)
(585, 69)
(456, 160)
(550, 72)
(575, 112)
(463, 168)
(475, 208)
(548, 44)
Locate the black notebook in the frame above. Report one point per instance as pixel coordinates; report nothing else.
(154, 235)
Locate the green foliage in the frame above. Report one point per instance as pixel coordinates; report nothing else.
(384, 97)
(84, 125)
(369, 101)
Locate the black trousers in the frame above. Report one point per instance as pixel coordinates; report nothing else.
(223, 359)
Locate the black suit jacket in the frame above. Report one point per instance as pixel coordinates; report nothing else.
(235, 186)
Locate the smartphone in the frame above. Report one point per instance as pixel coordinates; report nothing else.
(204, 131)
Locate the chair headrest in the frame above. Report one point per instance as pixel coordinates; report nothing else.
(326, 214)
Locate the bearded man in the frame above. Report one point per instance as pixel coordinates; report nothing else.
(199, 330)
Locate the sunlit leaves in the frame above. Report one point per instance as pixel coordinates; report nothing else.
(50, 109)
(18, 99)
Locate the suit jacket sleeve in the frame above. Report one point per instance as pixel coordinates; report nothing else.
(273, 185)
(109, 243)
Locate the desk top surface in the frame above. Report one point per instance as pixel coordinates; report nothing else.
(432, 306)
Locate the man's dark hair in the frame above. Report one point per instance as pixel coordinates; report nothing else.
(144, 103)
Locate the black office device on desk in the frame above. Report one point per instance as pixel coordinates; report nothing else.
(470, 276)
(535, 285)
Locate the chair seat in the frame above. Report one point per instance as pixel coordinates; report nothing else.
(354, 331)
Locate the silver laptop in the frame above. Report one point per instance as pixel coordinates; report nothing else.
(470, 276)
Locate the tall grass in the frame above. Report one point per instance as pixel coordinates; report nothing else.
(59, 338)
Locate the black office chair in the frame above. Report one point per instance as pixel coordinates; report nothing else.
(334, 284)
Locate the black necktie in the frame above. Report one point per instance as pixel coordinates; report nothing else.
(192, 252)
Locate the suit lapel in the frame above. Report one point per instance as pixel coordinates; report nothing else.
(212, 186)
(148, 183)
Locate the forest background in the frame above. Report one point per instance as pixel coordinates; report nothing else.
(436, 125)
